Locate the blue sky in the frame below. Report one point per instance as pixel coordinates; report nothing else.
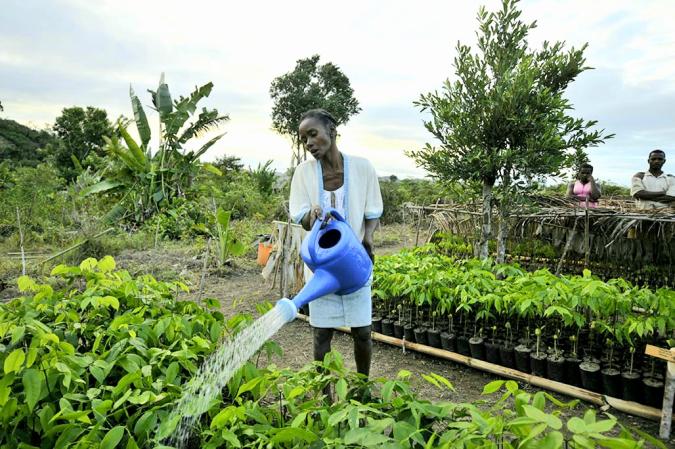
(75, 52)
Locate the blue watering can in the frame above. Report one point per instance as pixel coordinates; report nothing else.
(336, 257)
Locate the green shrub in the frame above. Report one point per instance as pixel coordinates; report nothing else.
(183, 219)
(95, 355)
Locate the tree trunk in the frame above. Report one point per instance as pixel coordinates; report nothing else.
(503, 219)
(486, 228)
(503, 232)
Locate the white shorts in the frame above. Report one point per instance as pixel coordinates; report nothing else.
(352, 310)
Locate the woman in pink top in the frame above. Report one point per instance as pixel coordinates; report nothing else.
(584, 187)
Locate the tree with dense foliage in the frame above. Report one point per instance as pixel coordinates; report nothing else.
(21, 145)
(504, 120)
(229, 166)
(310, 86)
(81, 132)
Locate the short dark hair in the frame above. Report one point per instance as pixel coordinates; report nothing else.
(586, 165)
(325, 117)
(657, 151)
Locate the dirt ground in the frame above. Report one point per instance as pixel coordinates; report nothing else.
(241, 287)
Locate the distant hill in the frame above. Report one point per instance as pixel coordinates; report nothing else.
(19, 144)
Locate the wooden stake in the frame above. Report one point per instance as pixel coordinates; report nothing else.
(203, 277)
(156, 233)
(669, 393)
(419, 223)
(285, 259)
(23, 255)
(568, 244)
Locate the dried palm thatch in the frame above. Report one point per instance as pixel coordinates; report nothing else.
(284, 267)
(616, 235)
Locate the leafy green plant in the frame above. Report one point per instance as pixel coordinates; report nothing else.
(228, 244)
(264, 177)
(100, 359)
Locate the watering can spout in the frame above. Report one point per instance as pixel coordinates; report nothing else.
(286, 309)
(321, 284)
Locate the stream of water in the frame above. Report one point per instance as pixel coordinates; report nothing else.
(217, 370)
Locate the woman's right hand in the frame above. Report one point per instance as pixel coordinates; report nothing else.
(314, 213)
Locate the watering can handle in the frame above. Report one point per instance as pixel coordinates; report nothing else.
(318, 225)
(330, 212)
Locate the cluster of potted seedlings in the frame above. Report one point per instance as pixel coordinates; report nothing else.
(573, 329)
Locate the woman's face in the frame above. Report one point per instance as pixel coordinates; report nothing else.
(585, 174)
(316, 137)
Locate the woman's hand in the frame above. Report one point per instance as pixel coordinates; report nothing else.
(310, 217)
(368, 245)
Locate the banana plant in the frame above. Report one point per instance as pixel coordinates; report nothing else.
(227, 243)
(147, 181)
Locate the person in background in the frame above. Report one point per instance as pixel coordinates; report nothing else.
(350, 185)
(584, 187)
(653, 189)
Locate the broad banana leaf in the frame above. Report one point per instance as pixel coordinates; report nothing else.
(207, 120)
(113, 146)
(212, 169)
(76, 163)
(223, 218)
(195, 156)
(134, 149)
(185, 107)
(101, 187)
(141, 119)
(115, 214)
(236, 247)
(163, 98)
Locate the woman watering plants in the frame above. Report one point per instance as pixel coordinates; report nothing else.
(348, 184)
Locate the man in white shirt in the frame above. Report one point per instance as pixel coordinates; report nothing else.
(653, 189)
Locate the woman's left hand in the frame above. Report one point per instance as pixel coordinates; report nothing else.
(368, 245)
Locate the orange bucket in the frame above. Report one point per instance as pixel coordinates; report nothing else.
(264, 250)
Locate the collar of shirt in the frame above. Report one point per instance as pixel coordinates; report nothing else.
(651, 175)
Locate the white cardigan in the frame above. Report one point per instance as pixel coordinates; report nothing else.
(362, 197)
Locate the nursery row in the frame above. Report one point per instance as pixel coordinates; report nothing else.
(573, 329)
(93, 357)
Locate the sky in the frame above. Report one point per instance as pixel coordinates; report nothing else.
(56, 54)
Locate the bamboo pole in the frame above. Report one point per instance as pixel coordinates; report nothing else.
(632, 408)
(26, 252)
(668, 396)
(77, 245)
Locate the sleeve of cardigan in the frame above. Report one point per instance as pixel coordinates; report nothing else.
(374, 205)
(300, 201)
